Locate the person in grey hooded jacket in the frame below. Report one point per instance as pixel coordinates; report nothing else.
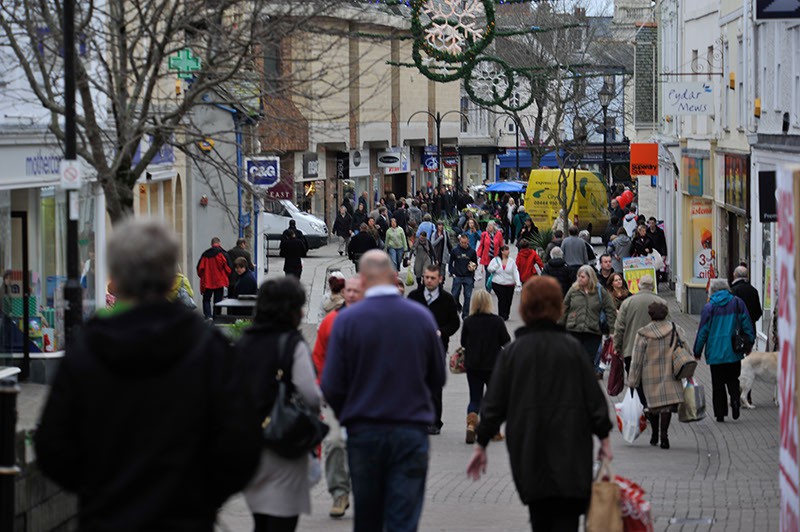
(619, 248)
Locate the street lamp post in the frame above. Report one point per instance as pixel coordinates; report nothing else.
(437, 119)
(517, 123)
(605, 96)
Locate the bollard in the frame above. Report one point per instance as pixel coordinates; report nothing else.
(8, 460)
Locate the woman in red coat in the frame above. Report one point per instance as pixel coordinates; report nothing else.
(489, 245)
(527, 261)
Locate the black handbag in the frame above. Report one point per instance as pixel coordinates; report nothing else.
(740, 341)
(292, 429)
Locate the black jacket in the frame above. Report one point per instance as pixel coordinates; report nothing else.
(293, 250)
(145, 407)
(564, 274)
(745, 291)
(641, 246)
(460, 259)
(342, 225)
(444, 312)
(236, 252)
(610, 231)
(359, 217)
(482, 337)
(242, 285)
(401, 216)
(549, 421)
(555, 243)
(659, 240)
(360, 244)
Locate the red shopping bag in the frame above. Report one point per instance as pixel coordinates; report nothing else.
(616, 375)
(636, 513)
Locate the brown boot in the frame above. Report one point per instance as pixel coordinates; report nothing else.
(472, 422)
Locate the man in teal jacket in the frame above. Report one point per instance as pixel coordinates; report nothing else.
(721, 316)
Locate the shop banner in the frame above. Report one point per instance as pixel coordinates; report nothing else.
(429, 160)
(702, 238)
(694, 176)
(265, 173)
(787, 329)
(767, 210)
(359, 163)
(342, 165)
(644, 159)
(737, 172)
(634, 268)
(402, 165)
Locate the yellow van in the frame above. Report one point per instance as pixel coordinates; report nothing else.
(591, 199)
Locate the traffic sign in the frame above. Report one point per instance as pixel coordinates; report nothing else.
(70, 173)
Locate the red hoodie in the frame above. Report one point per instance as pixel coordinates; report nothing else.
(527, 259)
(213, 269)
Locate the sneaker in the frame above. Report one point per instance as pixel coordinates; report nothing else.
(736, 408)
(340, 505)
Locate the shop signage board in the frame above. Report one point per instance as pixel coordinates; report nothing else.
(737, 171)
(787, 195)
(777, 9)
(634, 268)
(767, 209)
(644, 159)
(265, 173)
(342, 165)
(702, 238)
(359, 163)
(400, 155)
(429, 161)
(688, 98)
(694, 175)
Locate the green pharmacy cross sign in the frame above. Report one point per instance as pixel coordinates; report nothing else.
(185, 63)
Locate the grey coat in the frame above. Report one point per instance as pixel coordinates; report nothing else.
(631, 317)
(423, 255)
(619, 249)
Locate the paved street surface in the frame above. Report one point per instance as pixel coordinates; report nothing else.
(715, 477)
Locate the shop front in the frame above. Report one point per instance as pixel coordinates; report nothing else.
(396, 165)
(735, 215)
(310, 191)
(33, 220)
(698, 255)
(507, 162)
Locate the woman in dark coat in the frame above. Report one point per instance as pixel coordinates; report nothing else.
(359, 217)
(483, 334)
(549, 421)
(642, 244)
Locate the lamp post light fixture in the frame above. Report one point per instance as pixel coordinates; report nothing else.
(437, 119)
(605, 96)
(515, 119)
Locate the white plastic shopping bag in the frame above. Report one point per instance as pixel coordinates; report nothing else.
(630, 416)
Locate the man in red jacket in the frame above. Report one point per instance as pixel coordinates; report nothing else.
(334, 448)
(213, 269)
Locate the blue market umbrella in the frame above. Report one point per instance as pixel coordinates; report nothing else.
(507, 186)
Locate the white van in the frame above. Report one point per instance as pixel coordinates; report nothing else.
(274, 220)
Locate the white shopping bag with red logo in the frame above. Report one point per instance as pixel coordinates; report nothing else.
(636, 513)
(631, 420)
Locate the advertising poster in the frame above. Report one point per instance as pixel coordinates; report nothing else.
(694, 176)
(634, 268)
(787, 327)
(702, 238)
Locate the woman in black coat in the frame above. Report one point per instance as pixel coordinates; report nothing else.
(545, 389)
(483, 334)
(642, 244)
(359, 217)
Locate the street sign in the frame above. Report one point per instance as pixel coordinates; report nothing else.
(688, 98)
(644, 159)
(70, 174)
(777, 9)
(184, 63)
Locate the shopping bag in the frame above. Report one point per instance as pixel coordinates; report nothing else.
(636, 512)
(693, 407)
(457, 361)
(410, 278)
(616, 375)
(605, 511)
(630, 416)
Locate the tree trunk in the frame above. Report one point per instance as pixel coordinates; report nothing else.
(119, 198)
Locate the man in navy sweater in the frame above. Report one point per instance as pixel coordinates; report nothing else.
(381, 387)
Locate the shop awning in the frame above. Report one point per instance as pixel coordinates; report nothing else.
(507, 186)
(509, 159)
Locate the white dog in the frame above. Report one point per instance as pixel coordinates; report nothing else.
(763, 366)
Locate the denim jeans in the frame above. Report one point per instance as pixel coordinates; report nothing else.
(478, 381)
(467, 283)
(396, 254)
(217, 294)
(388, 466)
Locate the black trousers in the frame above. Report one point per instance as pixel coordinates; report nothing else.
(271, 523)
(556, 514)
(724, 376)
(505, 294)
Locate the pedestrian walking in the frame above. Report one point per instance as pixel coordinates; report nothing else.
(620, 249)
(618, 289)
(384, 401)
(721, 317)
(741, 288)
(651, 369)
(584, 302)
(528, 261)
(214, 269)
(334, 449)
(641, 246)
(298, 234)
(555, 242)
(342, 228)
(359, 218)
(574, 248)
(145, 382)
(293, 250)
(527, 232)
(490, 243)
(591, 257)
(335, 299)
(482, 336)
(473, 233)
(605, 270)
(396, 244)
(633, 315)
(240, 250)
(463, 263)
(557, 267)
(426, 226)
(505, 278)
(414, 213)
(423, 256)
(441, 304)
(520, 218)
(549, 421)
(279, 491)
(440, 242)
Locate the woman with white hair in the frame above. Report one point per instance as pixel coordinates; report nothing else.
(583, 305)
(722, 316)
(489, 245)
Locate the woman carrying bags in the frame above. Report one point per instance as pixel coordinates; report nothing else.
(651, 369)
(585, 301)
(505, 278)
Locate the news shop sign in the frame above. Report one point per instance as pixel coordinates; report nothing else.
(265, 173)
(787, 350)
